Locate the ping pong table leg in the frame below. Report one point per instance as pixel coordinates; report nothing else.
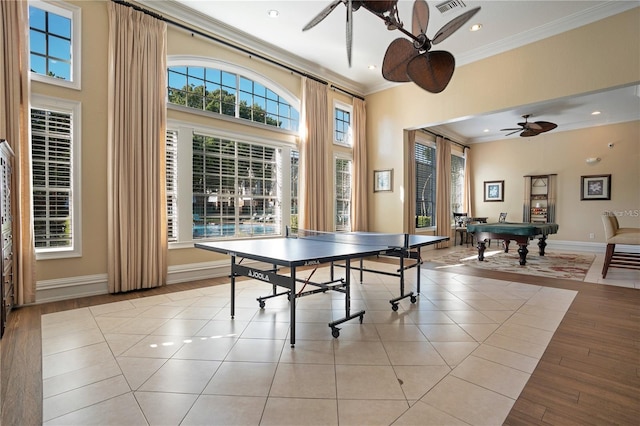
(292, 307)
(394, 302)
(335, 331)
(233, 287)
(419, 261)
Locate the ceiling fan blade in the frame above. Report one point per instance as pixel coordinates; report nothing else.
(453, 26)
(528, 133)
(432, 70)
(515, 131)
(394, 64)
(420, 17)
(320, 16)
(533, 126)
(545, 126)
(508, 130)
(349, 30)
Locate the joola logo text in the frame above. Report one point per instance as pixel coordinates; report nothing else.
(258, 275)
(311, 262)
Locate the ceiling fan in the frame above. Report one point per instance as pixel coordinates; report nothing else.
(405, 60)
(377, 7)
(530, 129)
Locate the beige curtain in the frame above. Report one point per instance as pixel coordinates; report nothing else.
(443, 189)
(14, 127)
(137, 222)
(360, 187)
(410, 184)
(315, 194)
(467, 205)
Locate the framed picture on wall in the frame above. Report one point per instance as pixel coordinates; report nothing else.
(383, 180)
(595, 187)
(494, 190)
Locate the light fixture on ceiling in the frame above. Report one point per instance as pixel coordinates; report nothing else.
(372, 67)
(475, 27)
(596, 113)
(593, 160)
(273, 13)
(406, 60)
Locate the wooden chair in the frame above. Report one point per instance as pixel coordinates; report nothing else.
(460, 227)
(616, 235)
(501, 219)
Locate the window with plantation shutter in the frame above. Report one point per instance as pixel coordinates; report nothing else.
(457, 183)
(425, 185)
(172, 184)
(54, 152)
(295, 168)
(343, 194)
(236, 188)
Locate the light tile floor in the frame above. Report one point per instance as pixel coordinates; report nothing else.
(460, 355)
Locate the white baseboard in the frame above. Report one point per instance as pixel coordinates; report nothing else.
(93, 285)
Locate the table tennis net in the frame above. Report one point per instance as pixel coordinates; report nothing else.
(354, 238)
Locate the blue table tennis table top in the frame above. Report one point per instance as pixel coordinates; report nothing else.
(327, 247)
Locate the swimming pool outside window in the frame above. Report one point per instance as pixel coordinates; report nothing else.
(236, 188)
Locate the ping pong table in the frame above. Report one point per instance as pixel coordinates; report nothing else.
(312, 249)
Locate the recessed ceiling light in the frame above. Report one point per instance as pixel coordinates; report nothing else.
(273, 13)
(486, 130)
(475, 27)
(595, 113)
(372, 67)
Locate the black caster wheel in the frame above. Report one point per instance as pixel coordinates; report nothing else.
(414, 299)
(335, 332)
(394, 307)
(262, 304)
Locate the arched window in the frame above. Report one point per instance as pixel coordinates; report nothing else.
(230, 90)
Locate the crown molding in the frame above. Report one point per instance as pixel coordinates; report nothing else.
(550, 29)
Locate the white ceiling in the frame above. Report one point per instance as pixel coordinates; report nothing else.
(321, 51)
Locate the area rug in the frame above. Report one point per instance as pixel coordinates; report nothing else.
(568, 266)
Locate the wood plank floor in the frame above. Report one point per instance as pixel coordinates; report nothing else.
(589, 374)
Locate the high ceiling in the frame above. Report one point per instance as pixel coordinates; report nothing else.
(321, 51)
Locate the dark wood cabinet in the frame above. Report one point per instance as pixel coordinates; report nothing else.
(6, 233)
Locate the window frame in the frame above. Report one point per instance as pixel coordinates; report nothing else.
(74, 13)
(347, 108)
(346, 157)
(239, 71)
(430, 144)
(464, 171)
(75, 110)
(186, 131)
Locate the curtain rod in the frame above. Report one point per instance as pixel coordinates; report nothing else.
(348, 93)
(446, 138)
(226, 43)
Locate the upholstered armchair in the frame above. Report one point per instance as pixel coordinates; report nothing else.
(616, 235)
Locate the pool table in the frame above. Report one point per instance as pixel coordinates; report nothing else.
(521, 233)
